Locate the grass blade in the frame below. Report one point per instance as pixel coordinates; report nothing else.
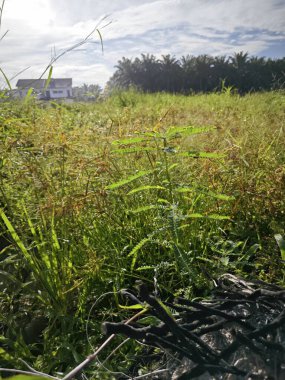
(6, 79)
(147, 187)
(125, 181)
(15, 236)
(281, 244)
(48, 79)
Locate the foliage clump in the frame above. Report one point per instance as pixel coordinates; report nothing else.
(203, 73)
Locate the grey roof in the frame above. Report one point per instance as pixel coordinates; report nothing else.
(27, 83)
(60, 82)
(39, 84)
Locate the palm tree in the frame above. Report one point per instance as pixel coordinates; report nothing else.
(148, 70)
(125, 75)
(239, 62)
(201, 73)
(171, 74)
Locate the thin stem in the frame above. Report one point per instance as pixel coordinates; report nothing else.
(30, 373)
(93, 356)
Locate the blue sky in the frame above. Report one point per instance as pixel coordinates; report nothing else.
(38, 28)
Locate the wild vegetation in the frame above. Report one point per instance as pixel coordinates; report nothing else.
(169, 189)
(203, 73)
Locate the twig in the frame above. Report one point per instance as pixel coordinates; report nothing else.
(93, 356)
(1, 12)
(67, 50)
(38, 374)
(33, 369)
(228, 320)
(114, 351)
(157, 372)
(80, 43)
(89, 315)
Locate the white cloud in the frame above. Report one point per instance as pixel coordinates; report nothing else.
(223, 15)
(72, 11)
(35, 13)
(139, 26)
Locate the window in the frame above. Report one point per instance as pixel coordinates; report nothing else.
(57, 91)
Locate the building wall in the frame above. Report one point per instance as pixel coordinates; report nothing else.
(53, 93)
(60, 93)
(21, 93)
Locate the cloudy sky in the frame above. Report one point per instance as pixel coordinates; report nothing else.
(41, 29)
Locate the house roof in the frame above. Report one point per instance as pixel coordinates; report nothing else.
(60, 82)
(39, 84)
(27, 83)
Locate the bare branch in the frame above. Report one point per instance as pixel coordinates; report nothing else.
(93, 356)
(38, 374)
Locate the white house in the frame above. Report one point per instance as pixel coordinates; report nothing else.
(57, 88)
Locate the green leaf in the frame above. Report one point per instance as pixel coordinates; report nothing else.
(218, 217)
(184, 189)
(28, 377)
(209, 216)
(49, 78)
(173, 166)
(142, 209)
(195, 216)
(150, 320)
(135, 250)
(205, 192)
(15, 236)
(138, 247)
(55, 242)
(163, 201)
(132, 307)
(10, 277)
(133, 140)
(281, 244)
(187, 131)
(29, 94)
(143, 188)
(225, 260)
(2, 162)
(222, 197)
(6, 79)
(133, 150)
(195, 154)
(125, 181)
(101, 39)
(146, 267)
(166, 308)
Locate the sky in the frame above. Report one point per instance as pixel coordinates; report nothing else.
(39, 30)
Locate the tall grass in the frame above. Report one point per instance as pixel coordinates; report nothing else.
(171, 190)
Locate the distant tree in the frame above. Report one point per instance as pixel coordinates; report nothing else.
(239, 60)
(277, 73)
(203, 73)
(148, 69)
(125, 75)
(188, 66)
(259, 75)
(221, 72)
(87, 92)
(170, 74)
(240, 64)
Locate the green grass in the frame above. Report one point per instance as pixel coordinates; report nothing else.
(168, 189)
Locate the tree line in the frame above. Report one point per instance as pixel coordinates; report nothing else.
(202, 73)
(87, 93)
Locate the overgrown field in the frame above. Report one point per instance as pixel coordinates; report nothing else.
(171, 190)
